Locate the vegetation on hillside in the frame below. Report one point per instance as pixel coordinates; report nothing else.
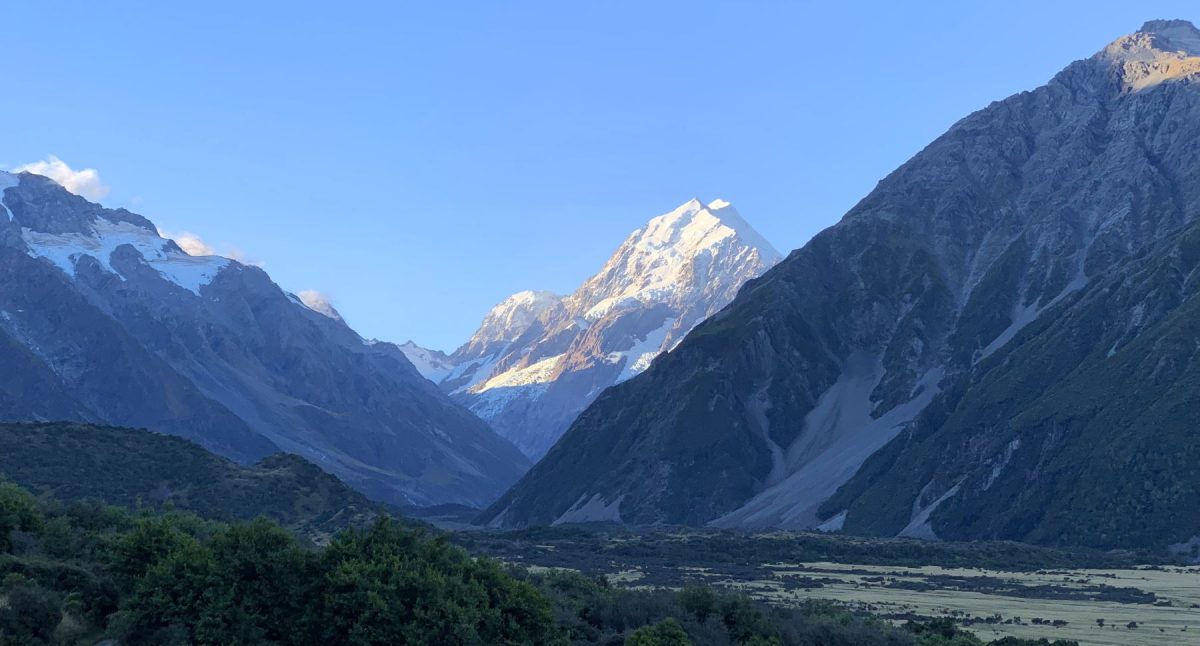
(136, 468)
(75, 572)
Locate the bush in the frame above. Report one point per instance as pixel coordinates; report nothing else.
(667, 632)
(30, 614)
(18, 512)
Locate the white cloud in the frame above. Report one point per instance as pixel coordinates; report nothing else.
(318, 302)
(194, 245)
(84, 183)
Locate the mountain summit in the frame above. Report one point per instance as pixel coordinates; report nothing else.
(998, 342)
(1162, 50)
(538, 359)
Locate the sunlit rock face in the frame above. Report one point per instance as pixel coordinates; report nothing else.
(538, 359)
(997, 342)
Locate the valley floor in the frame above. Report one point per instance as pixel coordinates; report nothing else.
(994, 590)
(1163, 603)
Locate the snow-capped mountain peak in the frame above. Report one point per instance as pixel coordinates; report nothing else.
(538, 359)
(434, 365)
(677, 254)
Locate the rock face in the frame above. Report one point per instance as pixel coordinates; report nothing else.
(1000, 341)
(538, 359)
(102, 320)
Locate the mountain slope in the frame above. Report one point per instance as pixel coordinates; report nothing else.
(867, 336)
(538, 359)
(102, 320)
(128, 467)
(1088, 414)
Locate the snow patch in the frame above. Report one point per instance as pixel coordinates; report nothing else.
(644, 350)
(537, 373)
(65, 250)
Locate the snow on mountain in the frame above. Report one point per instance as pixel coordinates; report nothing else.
(66, 249)
(996, 342)
(104, 320)
(538, 359)
(506, 322)
(434, 365)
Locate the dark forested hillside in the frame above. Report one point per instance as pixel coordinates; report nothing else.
(131, 468)
(78, 573)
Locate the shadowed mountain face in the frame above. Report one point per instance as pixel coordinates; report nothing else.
(539, 359)
(995, 343)
(102, 320)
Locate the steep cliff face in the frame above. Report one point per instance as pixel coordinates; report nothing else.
(103, 320)
(539, 359)
(878, 329)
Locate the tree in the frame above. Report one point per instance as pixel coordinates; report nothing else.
(250, 583)
(29, 615)
(699, 601)
(667, 632)
(391, 585)
(18, 512)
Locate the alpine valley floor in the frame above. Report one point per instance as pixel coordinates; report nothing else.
(992, 589)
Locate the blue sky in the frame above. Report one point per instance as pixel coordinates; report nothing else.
(418, 162)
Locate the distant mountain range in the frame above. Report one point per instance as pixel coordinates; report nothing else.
(538, 359)
(1002, 340)
(103, 320)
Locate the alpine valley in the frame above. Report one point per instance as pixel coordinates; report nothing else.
(966, 413)
(1001, 341)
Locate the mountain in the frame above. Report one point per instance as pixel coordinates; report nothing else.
(999, 341)
(128, 467)
(434, 365)
(104, 321)
(538, 359)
